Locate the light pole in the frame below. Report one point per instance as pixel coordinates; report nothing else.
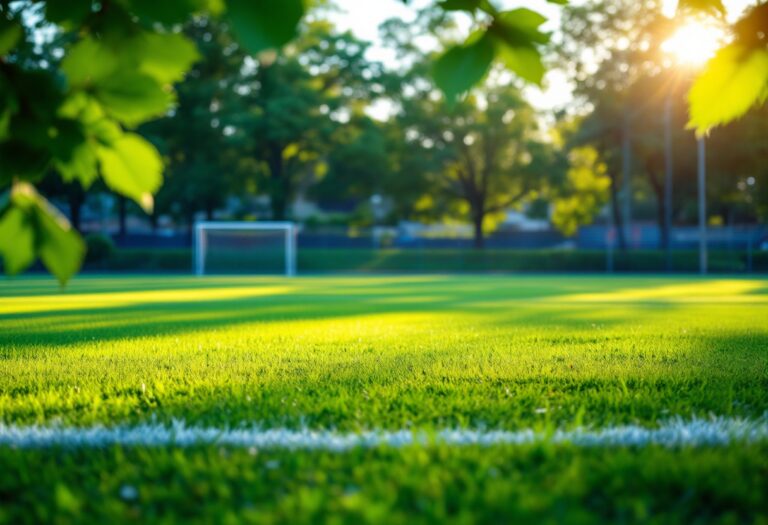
(693, 44)
(668, 169)
(702, 184)
(377, 202)
(626, 176)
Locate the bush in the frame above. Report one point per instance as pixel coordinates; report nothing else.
(364, 260)
(152, 260)
(99, 249)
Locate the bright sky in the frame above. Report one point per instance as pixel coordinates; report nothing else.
(363, 17)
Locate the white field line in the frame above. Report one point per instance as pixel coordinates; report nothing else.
(671, 433)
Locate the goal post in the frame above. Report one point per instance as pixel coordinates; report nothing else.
(245, 247)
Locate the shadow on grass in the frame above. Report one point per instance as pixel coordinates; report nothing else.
(361, 352)
(112, 309)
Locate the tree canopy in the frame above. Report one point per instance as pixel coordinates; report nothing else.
(84, 108)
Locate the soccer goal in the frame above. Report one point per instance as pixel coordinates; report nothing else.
(245, 248)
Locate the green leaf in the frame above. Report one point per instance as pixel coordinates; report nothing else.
(88, 61)
(164, 57)
(32, 227)
(90, 113)
(523, 61)
(133, 98)
(83, 107)
(10, 33)
(106, 131)
(164, 12)
(20, 160)
(520, 27)
(170, 12)
(60, 247)
(17, 240)
(732, 82)
(67, 13)
(461, 67)
(460, 5)
(132, 167)
(81, 166)
(9, 105)
(264, 24)
(64, 137)
(5, 121)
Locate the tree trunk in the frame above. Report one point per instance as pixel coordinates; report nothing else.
(477, 222)
(279, 207)
(280, 185)
(659, 188)
(626, 177)
(618, 223)
(661, 214)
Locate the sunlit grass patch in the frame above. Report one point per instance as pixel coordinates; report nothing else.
(355, 354)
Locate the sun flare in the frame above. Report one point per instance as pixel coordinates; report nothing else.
(694, 43)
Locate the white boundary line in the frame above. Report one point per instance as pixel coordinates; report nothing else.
(678, 432)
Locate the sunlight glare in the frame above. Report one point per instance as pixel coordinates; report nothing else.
(694, 43)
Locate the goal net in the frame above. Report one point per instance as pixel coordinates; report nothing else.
(245, 248)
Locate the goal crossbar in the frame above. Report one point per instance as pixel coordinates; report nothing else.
(200, 241)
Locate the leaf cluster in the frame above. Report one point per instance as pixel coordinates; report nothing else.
(78, 117)
(512, 37)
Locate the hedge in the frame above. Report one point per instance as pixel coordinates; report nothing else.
(312, 261)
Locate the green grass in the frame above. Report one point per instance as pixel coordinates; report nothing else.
(356, 353)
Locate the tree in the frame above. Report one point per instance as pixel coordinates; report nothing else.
(78, 118)
(737, 171)
(297, 103)
(360, 162)
(483, 150)
(611, 51)
(584, 193)
(126, 55)
(631, 90)
(732, 82)
(193, 138)
(512, 37)
(118, 71)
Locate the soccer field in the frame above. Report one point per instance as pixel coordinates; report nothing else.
(384, 400)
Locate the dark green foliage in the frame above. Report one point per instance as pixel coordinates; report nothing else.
(547, 485)
(99, 249)
(32, 228)
(74, 111)
(632, 90)
(479, 157)
(462, 67)
(512, 36)
(264, 24)
(109, 67)
(303, 108)
(201, 161)
(312, 261)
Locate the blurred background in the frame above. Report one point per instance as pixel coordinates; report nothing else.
(345, 134)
